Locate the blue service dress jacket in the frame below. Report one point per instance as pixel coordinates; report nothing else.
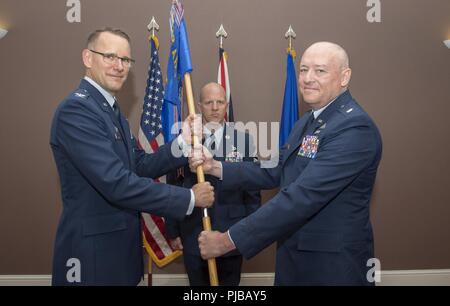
(229, 206)
(104, 188)
(320, 217)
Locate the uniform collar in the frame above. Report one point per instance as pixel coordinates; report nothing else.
(217, 133)
(320, 110)
(108, 97)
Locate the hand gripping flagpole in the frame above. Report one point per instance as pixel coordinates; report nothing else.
(213, 278)
(177, 12)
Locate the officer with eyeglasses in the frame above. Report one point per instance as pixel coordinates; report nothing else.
(113, 59)
(105, 178)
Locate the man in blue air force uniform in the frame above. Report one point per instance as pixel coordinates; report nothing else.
(102, 172)
(225, 143)
(326, 173)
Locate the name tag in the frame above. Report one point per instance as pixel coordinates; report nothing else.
(309, 146)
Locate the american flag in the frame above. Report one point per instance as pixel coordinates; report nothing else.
(150, 138)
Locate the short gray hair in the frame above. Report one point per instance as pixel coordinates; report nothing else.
(92, 39)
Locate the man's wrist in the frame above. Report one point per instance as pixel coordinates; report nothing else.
(216, 169)
(228, 243)
(191, 203)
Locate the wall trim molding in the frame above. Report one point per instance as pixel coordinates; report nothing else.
(435, 277)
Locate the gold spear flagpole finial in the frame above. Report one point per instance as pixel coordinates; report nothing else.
(221, 33)
(152, 26)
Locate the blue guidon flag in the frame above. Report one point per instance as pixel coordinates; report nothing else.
(179, 64)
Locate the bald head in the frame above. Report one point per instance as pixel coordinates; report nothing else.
(213, 103)
(211, 87)
(334, 51)
(324, 73)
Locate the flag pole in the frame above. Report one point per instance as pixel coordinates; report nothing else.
(222, 73)
(213, 278)
(152, 26)
(150, 271)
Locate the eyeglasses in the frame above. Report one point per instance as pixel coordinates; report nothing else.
(111, 59)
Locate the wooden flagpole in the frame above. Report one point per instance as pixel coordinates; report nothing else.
(213, 278)
(150, 271)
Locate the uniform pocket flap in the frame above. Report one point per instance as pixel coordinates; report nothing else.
(319, 242)
(101, 224)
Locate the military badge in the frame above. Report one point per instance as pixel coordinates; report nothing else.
(117, 134)
(234, 156)
(320, 129)
(309, 146)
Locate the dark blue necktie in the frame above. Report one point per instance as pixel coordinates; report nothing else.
(116, 110)
(212, 142)
(307, 125)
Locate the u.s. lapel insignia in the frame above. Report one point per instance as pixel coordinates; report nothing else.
(80, 95)
(323, 126)
(309, 147)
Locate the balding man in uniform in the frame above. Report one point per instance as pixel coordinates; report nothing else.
(230, 206)
(326, 173)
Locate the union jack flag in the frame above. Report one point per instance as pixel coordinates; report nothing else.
(224, 80)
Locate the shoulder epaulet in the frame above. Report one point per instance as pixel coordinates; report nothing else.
(348, 109)
(80, 94)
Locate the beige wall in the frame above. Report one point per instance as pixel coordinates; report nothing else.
(400, 76)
